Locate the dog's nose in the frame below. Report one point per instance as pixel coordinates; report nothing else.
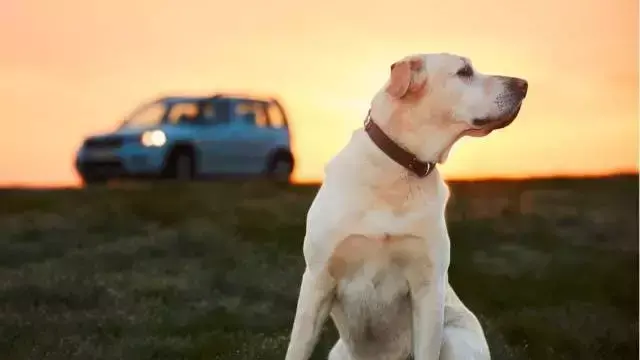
(519, 85)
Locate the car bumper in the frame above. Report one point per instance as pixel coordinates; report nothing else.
(127, 161)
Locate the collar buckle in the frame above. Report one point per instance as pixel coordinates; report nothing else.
(419, 168)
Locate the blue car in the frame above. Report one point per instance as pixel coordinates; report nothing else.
(185, 138)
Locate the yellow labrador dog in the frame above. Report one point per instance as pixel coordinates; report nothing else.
(376, 246)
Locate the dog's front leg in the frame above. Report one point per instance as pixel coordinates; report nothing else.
(314, 304)
(428, 290)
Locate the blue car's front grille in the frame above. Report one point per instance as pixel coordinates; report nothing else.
(104, 143)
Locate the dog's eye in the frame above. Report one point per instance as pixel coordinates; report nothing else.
(465, 72)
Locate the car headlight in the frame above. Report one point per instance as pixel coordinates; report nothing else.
(153, 138)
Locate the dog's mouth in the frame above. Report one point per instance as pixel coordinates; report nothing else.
(484, 126)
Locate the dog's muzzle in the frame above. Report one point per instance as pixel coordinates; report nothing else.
(517, 90)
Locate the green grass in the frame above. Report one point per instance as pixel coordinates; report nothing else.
(211, 271)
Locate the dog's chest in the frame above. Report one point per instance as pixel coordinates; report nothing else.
(373, 285)
(376, 222)
(373, 308)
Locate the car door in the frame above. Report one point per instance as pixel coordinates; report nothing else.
(251, 136)
(217, 148)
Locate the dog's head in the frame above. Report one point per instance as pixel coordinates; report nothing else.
(443, 96)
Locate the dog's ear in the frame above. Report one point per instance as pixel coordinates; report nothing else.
(403, 77)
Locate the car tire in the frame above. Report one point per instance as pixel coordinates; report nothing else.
(280, 168)
(180, 165)
(86, 182)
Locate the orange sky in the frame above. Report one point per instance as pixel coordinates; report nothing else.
(72, 67)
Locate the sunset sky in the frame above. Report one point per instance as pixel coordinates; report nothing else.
(69, 68)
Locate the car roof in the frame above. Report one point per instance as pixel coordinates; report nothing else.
(181, 99)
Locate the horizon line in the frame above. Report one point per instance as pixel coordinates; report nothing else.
(615, 174)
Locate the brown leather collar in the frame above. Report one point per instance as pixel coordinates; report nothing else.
(403, 157)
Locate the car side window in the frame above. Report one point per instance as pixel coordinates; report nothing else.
(276, 117)
(252, 113)
(215, 112)
(183, 113)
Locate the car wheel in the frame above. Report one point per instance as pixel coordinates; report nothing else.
(93, 181)
(184, 167)
(280, 168)
(180, 166)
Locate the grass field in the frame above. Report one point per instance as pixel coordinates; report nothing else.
(211, 271)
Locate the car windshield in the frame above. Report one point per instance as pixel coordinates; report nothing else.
(146, 116)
